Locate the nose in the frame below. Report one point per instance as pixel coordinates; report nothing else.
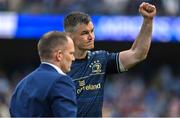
(73, 58)
(91, 36)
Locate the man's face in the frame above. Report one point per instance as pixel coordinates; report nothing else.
(67, 56)
(83, 36)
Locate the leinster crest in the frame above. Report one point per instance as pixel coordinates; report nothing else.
(96, 67)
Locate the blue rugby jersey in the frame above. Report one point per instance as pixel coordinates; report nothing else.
(89, 75)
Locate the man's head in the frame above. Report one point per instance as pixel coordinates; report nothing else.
(81, 30)
(56, 48)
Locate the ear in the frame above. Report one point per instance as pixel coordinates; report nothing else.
(59, 55)
(70, 35)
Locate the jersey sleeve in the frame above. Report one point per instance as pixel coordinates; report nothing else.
(114, 65)
(63, 98)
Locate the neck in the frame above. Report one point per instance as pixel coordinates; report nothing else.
(80, 54)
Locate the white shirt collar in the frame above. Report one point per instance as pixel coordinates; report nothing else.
(55, 67)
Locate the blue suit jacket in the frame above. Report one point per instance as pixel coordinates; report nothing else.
(44, 92)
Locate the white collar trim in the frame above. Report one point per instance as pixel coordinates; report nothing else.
(55, 67)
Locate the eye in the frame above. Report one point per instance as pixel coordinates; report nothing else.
(72, 53)
(92, 30)
(84, 32)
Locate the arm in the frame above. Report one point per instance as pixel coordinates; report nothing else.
(141, 45)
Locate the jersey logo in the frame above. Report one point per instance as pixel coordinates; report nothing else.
(82, 83)
(96, 67)
(89, 87)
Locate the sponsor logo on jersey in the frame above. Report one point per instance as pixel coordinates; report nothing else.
(89, 87)
(82, 82)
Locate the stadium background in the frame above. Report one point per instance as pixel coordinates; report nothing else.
(152, 88)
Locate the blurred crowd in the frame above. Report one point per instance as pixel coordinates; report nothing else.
(135, 95)
(8, 81)
(128, 94)
(106, 7)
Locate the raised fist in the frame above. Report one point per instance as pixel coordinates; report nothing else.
(147, 10)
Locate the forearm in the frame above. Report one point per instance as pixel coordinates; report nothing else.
(142, 44)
